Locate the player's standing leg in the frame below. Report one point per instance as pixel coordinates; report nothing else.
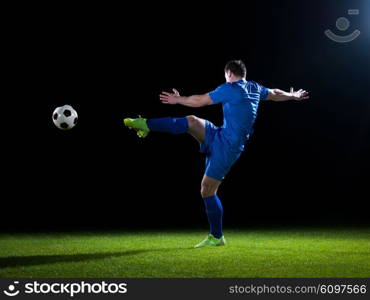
(209, 187)
(214, 211)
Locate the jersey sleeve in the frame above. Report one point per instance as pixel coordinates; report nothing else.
(264, 91)
(221, 94)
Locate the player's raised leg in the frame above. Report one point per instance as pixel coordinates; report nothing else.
(214, 212)
(144, 126)
(191, 124)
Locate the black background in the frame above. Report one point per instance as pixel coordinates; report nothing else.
(307, 163)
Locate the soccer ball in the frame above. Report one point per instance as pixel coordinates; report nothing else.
(65, 117)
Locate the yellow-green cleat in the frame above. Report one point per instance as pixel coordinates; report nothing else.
(139, 125)
(210, 240)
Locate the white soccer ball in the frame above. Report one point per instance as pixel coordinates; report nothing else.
(65, 117)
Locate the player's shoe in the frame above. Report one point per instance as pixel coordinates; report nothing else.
(210, 240)
(139, 125)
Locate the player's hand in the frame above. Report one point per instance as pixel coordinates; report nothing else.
(170, 98)
(299, 95)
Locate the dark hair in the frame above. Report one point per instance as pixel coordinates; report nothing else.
(237, 67)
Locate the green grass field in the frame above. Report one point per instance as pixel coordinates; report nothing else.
(250, 253)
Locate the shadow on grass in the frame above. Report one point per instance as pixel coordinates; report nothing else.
(33, 260)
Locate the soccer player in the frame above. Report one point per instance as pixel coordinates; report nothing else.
(222, 145)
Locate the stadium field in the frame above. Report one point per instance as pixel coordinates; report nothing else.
(250, 253)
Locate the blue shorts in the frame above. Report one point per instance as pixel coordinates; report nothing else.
(219, 158)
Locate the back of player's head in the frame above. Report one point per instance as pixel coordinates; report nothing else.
(237, 67)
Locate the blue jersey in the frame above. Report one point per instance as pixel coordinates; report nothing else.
(240, 101)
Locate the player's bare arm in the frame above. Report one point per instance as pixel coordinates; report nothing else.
(192, 101)
(280, 95)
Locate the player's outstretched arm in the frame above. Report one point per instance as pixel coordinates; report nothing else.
(192, 101)
(279, 95)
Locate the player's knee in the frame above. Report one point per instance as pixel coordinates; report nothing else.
(207, 190)
(192, 120)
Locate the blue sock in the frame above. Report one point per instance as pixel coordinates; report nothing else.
(214, 212)
(170, 125)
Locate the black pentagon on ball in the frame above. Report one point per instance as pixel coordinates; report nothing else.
(64, 125)
(67, 113)
(55, 116)
(75, 120)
